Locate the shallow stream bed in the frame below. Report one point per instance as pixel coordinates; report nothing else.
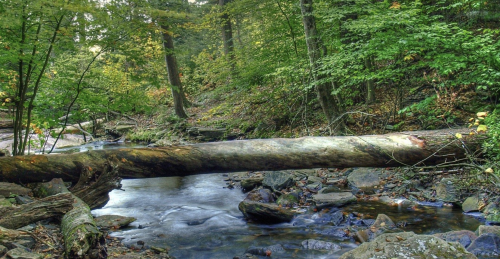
(197, 217)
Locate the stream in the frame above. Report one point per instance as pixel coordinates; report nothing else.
(197, 217)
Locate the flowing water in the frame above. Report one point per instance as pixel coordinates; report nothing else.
(197, 217)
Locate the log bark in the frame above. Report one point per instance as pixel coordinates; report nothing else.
(81, 235)
(5, 124)
(94, 185)
(396, 149)
(51, 206)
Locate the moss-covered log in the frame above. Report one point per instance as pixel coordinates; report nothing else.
(396, 149)
(51, 206)
(82, 238)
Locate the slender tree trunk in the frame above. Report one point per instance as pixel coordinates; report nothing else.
(316, 50)
(227, 33)
(370, 84)
(173, 73)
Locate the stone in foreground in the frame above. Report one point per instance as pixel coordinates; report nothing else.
(408, 245)
(333, 199)
(265, 212)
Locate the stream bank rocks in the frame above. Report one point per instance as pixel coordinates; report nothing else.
(310, 198)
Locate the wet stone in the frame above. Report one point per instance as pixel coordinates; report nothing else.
(488, 229)
(266, 251)
(471, 204)
(251, 183)
(446, 191)
(265, 212)
(486, 245)
(492, 211)
(464, 237)
(113, 221)
(334, 199)
(277, 180)
(260, 195)
(313, 244)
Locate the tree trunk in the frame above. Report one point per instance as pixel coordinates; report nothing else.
(316, 50)
(395, 149)
(173, 73)
(51, 206)
(227, 33)
(370, 83)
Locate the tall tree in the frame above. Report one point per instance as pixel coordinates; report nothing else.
(173, 72)
(316, 50)
(227, 32)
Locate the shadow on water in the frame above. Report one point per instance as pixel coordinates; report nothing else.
(196, 217)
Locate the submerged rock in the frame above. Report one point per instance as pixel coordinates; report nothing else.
(313, 244)
(266, 251)
(265, 212)
(408, 245)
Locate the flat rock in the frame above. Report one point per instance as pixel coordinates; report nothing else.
(266, 250)
(464, 237)
(333, 199)
(408, 245)
(6, 189)
(265, 212)
(113, 221)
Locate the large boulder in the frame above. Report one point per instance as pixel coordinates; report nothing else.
(486, 245)
(265, 212)
(464, 237)
(483, 229)
(472, 203)
(277, 180)
(408, 245)
(260, 195)
(333, 199)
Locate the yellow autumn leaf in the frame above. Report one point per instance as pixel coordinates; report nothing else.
(482, 128)
(482, 114)
(472, 133)
(458, 135)
(395, 5)
(489, 171)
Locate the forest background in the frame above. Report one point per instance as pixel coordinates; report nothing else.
(257, 69)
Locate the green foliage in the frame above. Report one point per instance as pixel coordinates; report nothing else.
(492, 146)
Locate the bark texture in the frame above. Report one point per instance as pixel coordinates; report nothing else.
(396, 149)
(81, 235)
(51, 206)
(173, 73)
(316, 51)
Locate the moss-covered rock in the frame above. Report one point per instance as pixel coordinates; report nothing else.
(265, 212)
(408, 245)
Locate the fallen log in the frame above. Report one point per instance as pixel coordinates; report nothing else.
(51, 206)
(5, 124)
(395, 149)
(81, 235)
